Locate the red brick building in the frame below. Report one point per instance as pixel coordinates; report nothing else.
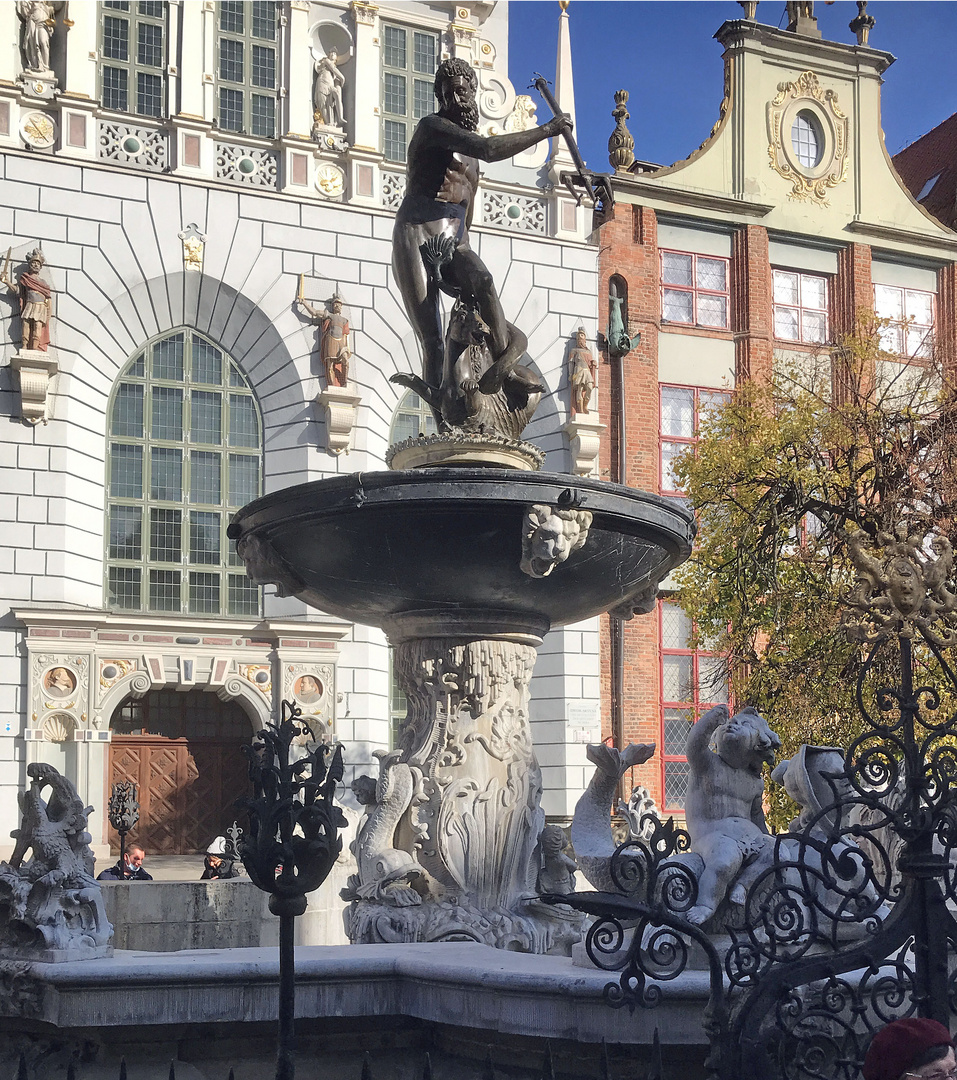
(765, 243)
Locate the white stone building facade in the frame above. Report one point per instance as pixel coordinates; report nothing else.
(173, 167)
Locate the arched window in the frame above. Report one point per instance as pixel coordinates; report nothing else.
(412, 417)
(184, 452)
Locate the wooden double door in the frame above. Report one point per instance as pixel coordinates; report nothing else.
(187, 781)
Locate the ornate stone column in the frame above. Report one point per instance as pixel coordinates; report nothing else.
(449, 849)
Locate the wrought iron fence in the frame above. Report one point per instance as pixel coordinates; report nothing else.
(852, 922)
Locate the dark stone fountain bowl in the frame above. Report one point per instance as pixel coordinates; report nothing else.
(438, 551)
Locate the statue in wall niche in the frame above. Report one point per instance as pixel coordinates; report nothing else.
(581, 373)
(51, 907)
(38, 20)
(36, 300)
(334, 338)
(327, 95)
(724, 811)
(431, 254)
(550, 535)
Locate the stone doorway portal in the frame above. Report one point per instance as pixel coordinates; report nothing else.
(184, 753)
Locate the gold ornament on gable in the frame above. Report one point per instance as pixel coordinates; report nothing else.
(805, 94)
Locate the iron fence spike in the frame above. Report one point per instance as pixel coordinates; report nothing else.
(22, 1067)
(366, 1066)
(548, 1070)
(123, 1068)
(172, 1070)
(71, 1070)
(604, 1071)
(427, 1068)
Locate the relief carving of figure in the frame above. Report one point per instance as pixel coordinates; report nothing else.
(36, 300)
(431, 250)
(327, 95)
(334, 342)
(51, 907)
(724, 807)
(581, 373)
(37, 17)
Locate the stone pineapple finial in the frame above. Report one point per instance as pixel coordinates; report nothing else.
(862, 24)
(621, 145)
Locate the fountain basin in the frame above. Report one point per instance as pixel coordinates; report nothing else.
(423, 551)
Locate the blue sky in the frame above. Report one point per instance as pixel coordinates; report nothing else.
(664, 54)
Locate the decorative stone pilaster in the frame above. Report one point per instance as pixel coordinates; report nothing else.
(35, 371)
(449, 848)
(365, 132)
(340, 405)
(584, 442)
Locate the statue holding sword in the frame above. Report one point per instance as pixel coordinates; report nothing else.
(36, 300)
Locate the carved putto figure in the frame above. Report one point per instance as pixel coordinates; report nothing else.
(557, 874)
(581, 373)
(37, 18)
(36, 300)
(334, 342)
(51, 907)
(724, 807)
(431, 253)
(327, 95)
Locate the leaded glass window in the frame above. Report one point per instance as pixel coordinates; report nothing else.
(132, 56)
(692, 681)
(800, 307)
(679, 418)
(694, 289)
(247, 59)
(409, 61)
(910, 314)
(184, 454)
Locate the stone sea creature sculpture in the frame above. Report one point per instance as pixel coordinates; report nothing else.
(724, 812)
(550, 534)
(827, 864)
(386, 873)
(51, 907)
(591, 831)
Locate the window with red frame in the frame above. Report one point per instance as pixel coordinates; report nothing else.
(692, 681)
(694, 289)
(800, 307)
(680, 413)
(911, 311)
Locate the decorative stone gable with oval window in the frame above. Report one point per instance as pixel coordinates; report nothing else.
(807, 134)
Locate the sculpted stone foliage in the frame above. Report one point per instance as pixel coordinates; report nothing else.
(450, 845)
(51, 907)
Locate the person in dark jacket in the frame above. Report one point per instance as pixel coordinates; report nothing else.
(130, 869)
(217, 866)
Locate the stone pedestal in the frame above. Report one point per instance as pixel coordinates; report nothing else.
(340, 405)
(460, 802)
(35, 371)
(584, 441)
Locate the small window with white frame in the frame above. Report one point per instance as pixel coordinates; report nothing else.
(801, 307)
(409, 61)
(133, 56)
(910, 333)
(247, 57)
(694, 289)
